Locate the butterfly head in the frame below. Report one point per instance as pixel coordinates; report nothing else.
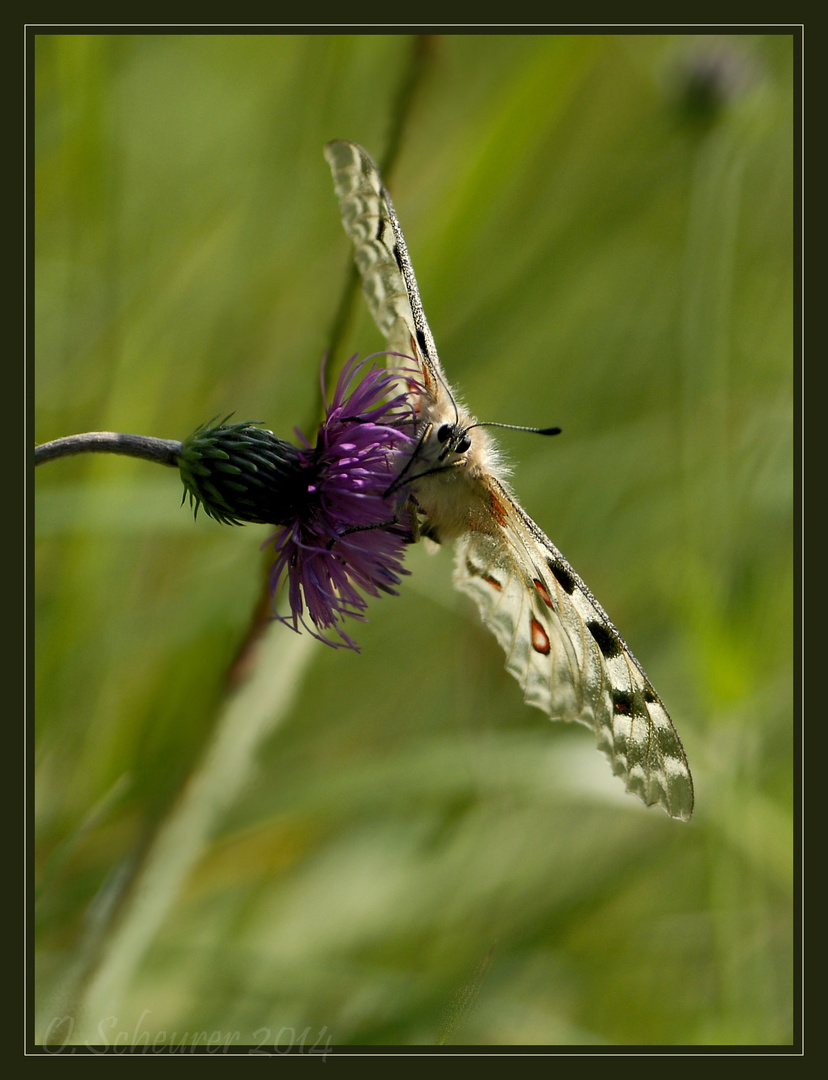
(445, 449)
(453, 439)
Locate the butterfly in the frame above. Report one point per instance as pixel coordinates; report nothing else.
(560, 644)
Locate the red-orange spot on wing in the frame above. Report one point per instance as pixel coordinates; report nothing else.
(497, 508)
(495, 584)
(544, 595)
(540, 638)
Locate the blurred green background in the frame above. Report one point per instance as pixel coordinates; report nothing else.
(602, 230)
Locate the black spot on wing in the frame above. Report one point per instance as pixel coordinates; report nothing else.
(381, 230)
(398, 257)
(649, 695)
(421, 341)
(562, 575)
(622, 701)
(604, 639)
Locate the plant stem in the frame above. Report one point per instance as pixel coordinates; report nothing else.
(249, 715)
(163, 451)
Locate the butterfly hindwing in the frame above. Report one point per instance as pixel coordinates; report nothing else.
(568, 657)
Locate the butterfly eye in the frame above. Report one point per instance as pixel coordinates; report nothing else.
(462, 445)
(444, 433)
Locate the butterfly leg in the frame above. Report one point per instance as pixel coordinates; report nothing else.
(409, 532)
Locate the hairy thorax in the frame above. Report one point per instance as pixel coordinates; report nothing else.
(449, 476)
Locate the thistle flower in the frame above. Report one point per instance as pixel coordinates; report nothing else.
(348, 531)
(344, 530)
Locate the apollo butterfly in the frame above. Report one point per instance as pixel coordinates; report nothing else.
(560, 644)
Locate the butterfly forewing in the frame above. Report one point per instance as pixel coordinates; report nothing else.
(560, 644)
(380, 253)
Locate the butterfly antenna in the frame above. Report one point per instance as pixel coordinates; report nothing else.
(447, 388)
(518, 427)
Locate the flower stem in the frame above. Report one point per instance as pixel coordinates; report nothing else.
(164, 451)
